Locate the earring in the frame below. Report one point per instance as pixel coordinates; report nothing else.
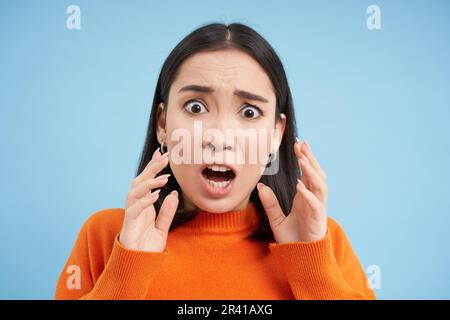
(161, 142)
(270, 158)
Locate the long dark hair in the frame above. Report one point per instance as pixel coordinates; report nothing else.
(218, 36)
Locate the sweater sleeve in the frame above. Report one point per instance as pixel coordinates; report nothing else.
(94, 271)
(324, 269)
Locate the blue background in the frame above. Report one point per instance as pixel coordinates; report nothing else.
(74, 107)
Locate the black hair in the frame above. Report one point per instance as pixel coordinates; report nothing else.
(217, 36)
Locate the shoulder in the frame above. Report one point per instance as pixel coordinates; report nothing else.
(102, 226)
(95, 240)
(336, 231)
(105, 218)
(339, 240)
(334, 226)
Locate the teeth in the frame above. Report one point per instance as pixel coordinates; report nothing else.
(215, 184)
(219, 168)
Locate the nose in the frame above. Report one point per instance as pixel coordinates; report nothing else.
(219, 135)
(210, 144)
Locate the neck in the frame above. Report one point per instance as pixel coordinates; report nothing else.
(242, 220)
(189, 206)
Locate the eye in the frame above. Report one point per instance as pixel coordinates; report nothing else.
(195, 106)
(251, 112)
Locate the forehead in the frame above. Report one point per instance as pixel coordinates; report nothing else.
(226, 69)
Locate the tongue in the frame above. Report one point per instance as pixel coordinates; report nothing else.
(217, 176)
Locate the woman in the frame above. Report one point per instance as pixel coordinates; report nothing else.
(203, 219)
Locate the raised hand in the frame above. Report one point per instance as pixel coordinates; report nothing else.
(140, 230)
(307, 221)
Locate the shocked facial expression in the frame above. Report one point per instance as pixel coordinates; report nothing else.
(220, 127)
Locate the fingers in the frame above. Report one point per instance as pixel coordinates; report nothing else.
(297, 148)
(135, 216)
(309, 198)
(146, 186)
(312, 174)
(167, 212)
(306, 149)
(139, 205)
(156, 164)
(271, 205)
(311, 178)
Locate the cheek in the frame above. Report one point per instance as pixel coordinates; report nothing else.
(256, 151)
(180, 138)
(186, 176)
(247, 179)
(257, 145)
(180, 134)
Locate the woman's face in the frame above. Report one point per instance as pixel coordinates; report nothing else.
(220, 128)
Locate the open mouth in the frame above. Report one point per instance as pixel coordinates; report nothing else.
(218, 176)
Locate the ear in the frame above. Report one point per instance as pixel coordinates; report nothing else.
(161, 122)
(280, 126)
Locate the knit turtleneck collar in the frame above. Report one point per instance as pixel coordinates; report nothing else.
(231, 221)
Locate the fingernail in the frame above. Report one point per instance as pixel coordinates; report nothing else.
(304, 158)
(164, 157)
(307, 144)
(155, 154)
(302, 185)
(259, 185)
(163, 176)
(298, 140)
(154, 193)
(175, 192)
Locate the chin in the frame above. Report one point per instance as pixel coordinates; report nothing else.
(217, 205)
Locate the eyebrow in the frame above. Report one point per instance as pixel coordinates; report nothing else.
(240, 93)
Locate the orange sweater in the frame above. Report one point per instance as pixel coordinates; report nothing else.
(208, 258)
